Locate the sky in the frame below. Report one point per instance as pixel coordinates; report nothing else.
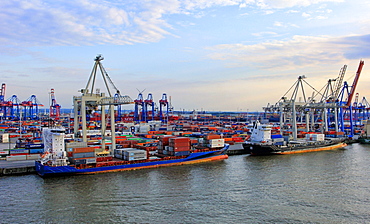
(211, 55)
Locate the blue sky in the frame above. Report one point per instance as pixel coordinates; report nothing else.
(214, 55)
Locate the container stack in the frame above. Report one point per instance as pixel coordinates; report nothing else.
(164, 141)
(216, 143)
(179, 146)
(277, 139)
(315, 137)
(130, 154)
(119, 153)
(135, 154)
(81, 155)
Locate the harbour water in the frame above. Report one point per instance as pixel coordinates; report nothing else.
(318, 187)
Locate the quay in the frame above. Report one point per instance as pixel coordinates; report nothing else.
(17, 167)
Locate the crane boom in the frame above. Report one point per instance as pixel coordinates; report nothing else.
(339, 80)
(355, 81)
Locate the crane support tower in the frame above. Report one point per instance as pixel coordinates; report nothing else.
(149, 102)
(54, 107)
(3, 105)
(163, 103)
(91, 100)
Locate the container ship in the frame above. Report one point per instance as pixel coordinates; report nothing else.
(72, 158)
(261, 142)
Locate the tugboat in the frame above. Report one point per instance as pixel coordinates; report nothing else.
(261, 143)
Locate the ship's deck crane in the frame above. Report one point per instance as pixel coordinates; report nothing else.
(54, 107)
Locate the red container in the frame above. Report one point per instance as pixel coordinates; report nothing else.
(180, 144)
(83, 149)
(179, 140)
(213, 137)
(180, 149)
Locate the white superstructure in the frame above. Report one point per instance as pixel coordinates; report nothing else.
(261, 133)
(54, 148)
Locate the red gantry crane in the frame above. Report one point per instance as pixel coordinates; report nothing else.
(54, 107)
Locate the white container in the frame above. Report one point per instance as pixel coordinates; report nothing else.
(90, 160)
(33, 157)
(3, 153)
(16, 158)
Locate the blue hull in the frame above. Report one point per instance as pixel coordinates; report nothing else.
(197, 157)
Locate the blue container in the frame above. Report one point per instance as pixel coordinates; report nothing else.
(276, 136)
(35, 146)
(182, 153)
(36, 151)
(79, 161)
(18, 151)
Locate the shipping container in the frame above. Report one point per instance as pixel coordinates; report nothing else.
(16, 158)
(90, 160)
(36, 151)
(83, 155)
(19, 151)
(33, 157)
(76, 144)
(3, 153)
(179, 153)
(79, 161)
(104, 158)
(34, 146)
(83, 149)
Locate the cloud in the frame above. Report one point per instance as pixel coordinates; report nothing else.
(297, 52)
(306, 15)
(91, 22)
(264, 33)
(280, 4)
(280, 24)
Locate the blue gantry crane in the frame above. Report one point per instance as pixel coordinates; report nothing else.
(163, 103)
(31, 107)
(13, 108)
(139, 105)
(149, 102)
(345, 102)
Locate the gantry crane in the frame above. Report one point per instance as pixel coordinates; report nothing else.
(13, 105)
(31, 107)
(163, 102)
(149, 102)
(54, 107)
(92, 99)
(139, 107)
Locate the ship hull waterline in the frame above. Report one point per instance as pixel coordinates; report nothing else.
(49, 171)
(258, 150)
